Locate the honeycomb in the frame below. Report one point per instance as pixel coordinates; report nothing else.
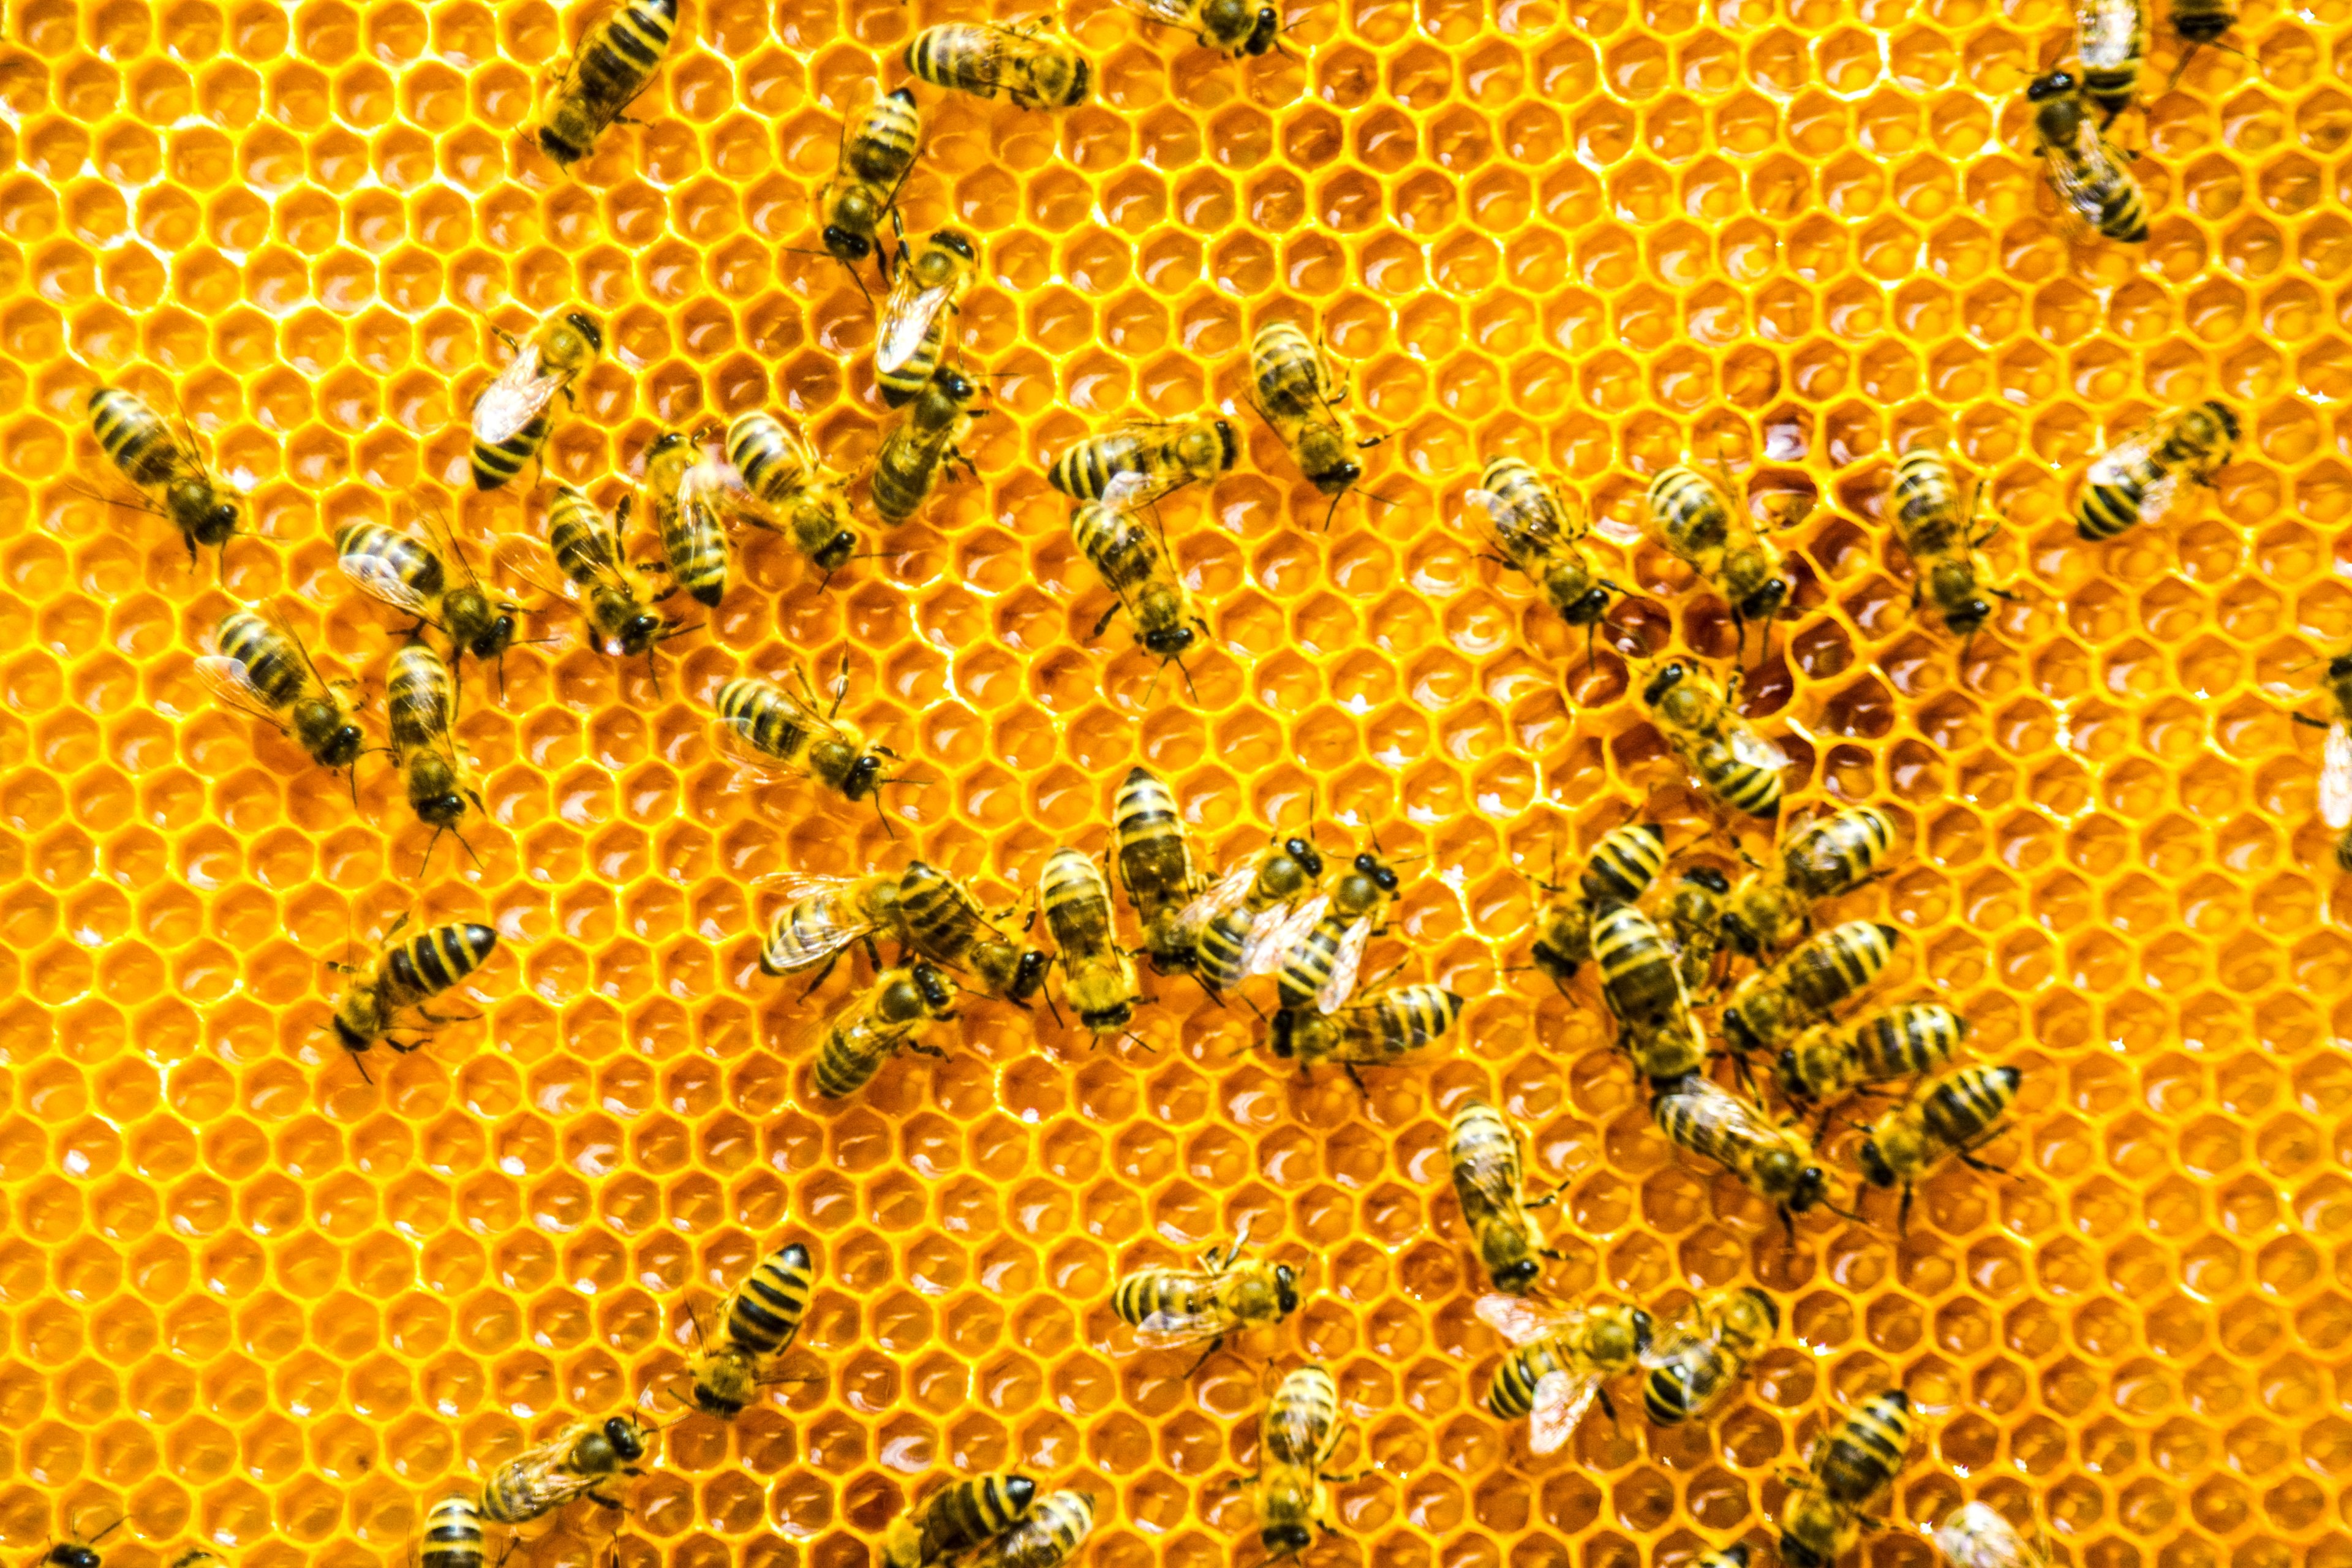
(257, 1303)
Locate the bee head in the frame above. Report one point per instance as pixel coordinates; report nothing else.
(1791, 1077)
(1641, 1326)
(639, 632)
(589, 329)
(1336, 476)
(864, 774)
(1382, 878)
(352, 1040)
(901, 95)
(1874, 1168)
(1170, 642)
(210, 520)
(1309, 860)
(2043, 88)
(1588, 607)
(2339, 667)
(1736, 1030)
(1028, 977)
(343, 747)
(846, 245)
(445, 810)
(1286, 1285)
(838, 551)
(1967, 615)
(626, 1441)
(1811, 1186)
(1797, 1554)
(957, 241)
(1707, 877)
(1514, 1278)
(1283, 1538)
(1665, 680)
(934, 987)
(1279, 1042)
(560, 147)
(667, 442)
(1261, 36)
(71, 1554)
(1765, 602)
(1735, 1553)
(493, 640)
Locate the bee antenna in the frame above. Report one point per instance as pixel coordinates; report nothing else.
(110, 1529)
(359, 1061)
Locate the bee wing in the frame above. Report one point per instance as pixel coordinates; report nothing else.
(1518, 1319)
(514, 399)
(1228, 891)
(715, 486)
(1290, 1421)
(794, 886)
(378, 581)
(226, 679)
(1489, 1185)
(1174, 13)
(1270, 938)
(1561, 1398)
(906, 318)
(730, 740)
(2335, 776)
(1345, 963)
(1126, 491)
(1168, 1331)
(1502, 515)
(1756, 750)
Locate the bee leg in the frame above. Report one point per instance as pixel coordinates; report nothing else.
(1358, 1079)
(1215, 1345)
(1903, 1215)
(1986, 1166)
(1107, 617)
(2307, 720)
(603, 1501)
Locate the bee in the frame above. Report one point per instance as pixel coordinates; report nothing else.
(1847, 1468)
(1229, 26)
(1156, 866)
(587, 546)
(1298, 393)
(928, 286)
(1699, 720)
(903, 383)
(1703, 1353)
(1954, 1114)
(1691, 517)
(874, 1028)
(540, 1480)
(824, 916)
(2111, 43)
(1173, 1307)
(2335, 758)
(1538, 538)
(1977, 1536)
(945, 923)
(1484, 1150)
(616, 59)
(781, 471)
(1098, 976)
(262, 670)
(1375, 1033)
(1821, 1063)
(420, 703)
(1643, 985)
(1050, 1534)
(453, 1535)
(680, 487)
(1559, 1362)
(1618, 870)
(174, 479)
(77, 1554)
(1300, 1433)
(1023, 60)
(406, 573)
(1166, 455)
(1224, 922)
(510, 419)
(2085, 170)
(767, 729)
(1777, 1162)
(403, 978)
(2135, 481)
(1830, 856)
(1131, 556)
(908, 463)
(958, 1518)
(1317, 951)
(2200, 22)
(1732, 1556)
(1774, 1004)
(879, 139)
(759, 1322)
(1939, 535)
(1691, 919)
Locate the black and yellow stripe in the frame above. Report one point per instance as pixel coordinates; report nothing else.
(1625, 863)
(1867, 1451)
(135, 436)
(496, 462)
(1838, 963)
(1637, 969)
(967, 1513)
(453, 1535)
(765, 1313)
(433, 960)
(615, 63)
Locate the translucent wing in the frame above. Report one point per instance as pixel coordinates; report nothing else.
(378, 581)
(1174, 13)
(2335, 776)
(1168, 1331)
(907, 316)
(1290, 1429)
(1977, 1536)
(1345, 964)
(1489, 1186)
(794, 886)
(516, 398)
(1223, 895)
(715, 487)
(226, 679)
(1507, 519)
(2126, 459)
(1126, 491)
(1756, 750)
(1520, 1320)
(732, 740)
(1270, 940)
(1561, 1398)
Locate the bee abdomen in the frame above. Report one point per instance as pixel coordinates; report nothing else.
(496, 462)
(134, 435)
(453, 1535)
(431, 962)
(1148, 1292)
(1513, 1393)
(270, 661)
(768, 1310)
(627, 50)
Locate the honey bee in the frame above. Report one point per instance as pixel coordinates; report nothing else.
(1156, 866)
(1560, 1360)
(1691, 919)
(78, 1553)
(1049, 1536)
(765, 728)
(1976, 1535)
(420, 703)
(1687, 513)
(1316, 952)
(680, 491)
(2111, 43)
(540, 1480)
(878, 1025)
(956, 1518)
(1300, 1433)
(929, 285)
(1169, 1308)
(406, 573)
(1167, 455)
(1131, 556)
(1378, 1032)
(2135, 481)
(1699, 720)
(1232, 27)
(616, 59)
(1846, 1468)
(263, 671)
(587, 546)
(945, 923)
(1618, 870)
(1821, 1063)
(1829, 856)
(781, 471)
(404, 976)
(823, 916)
(1539, 539)
(2200, 22)
(1484, 1150)
(1955, 1114)
(174, 481)
(2335, 761)
(1777, 1162)
(510, 419)
(1643, 985)
(1098, 976)
(908, 464)
(2093, 187)
(1225, 923)
(1773, 1005)
(453, 1535)
(759, 1322)
(1701, 1355)
(1939, 535)
(1028, 62)
(1298, 393)
(879, 138)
